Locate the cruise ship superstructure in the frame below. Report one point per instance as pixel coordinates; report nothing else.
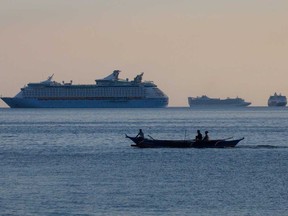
(110, 92)
(205, 101)
(277, 100)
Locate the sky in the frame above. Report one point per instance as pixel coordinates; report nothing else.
(223, 48)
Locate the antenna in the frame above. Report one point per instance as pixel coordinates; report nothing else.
(185, 135)
(50, 77)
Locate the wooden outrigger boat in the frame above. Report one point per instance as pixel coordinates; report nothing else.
(155, 143)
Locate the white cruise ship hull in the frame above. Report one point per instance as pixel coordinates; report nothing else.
(86, 103)
(110, 92)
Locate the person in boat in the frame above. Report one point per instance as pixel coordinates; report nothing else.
(140, 135)
(206, 137)
(198, 136)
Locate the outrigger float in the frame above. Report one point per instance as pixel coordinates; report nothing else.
(156, 143)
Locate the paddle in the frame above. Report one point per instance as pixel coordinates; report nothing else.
(227, 138)
(151, 137)
(185, 135)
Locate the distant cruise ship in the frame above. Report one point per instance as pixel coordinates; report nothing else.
(277, 100)
(205, 101)
(110, 92)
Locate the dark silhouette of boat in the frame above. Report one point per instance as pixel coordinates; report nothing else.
(156, 143)
(277, 100)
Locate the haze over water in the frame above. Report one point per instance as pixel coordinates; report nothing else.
(189, 48)
(78, 162)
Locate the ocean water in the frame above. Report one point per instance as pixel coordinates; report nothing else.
(78, 162)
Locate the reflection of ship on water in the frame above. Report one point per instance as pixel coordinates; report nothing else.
(205, 101)
(277, 100)
(110, 92)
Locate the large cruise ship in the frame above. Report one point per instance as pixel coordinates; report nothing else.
(277, 100)
(205, 101)
(110, 92)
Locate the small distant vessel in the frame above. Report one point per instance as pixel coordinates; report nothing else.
(205, 101)
(110, 92)
(277, 100)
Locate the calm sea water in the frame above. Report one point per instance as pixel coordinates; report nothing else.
(78, 162)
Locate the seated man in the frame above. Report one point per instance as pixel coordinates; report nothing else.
(206, 137)
(140, 135)
(199, 136)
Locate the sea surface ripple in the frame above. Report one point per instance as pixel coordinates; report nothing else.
(78, 162)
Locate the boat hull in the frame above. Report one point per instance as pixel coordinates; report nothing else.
(277, 100)
(85, 103)
(150, 143)
(219, 105)
(205, 101)
(277, 104)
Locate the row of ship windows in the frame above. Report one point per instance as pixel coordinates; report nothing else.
(155, 92)
(100, 90)
(83, 93)
(159, 92)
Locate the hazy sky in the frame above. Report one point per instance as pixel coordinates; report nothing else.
(223, 48)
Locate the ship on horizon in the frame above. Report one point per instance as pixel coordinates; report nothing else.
(110, 92)
(205, 101)
(277, 100)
